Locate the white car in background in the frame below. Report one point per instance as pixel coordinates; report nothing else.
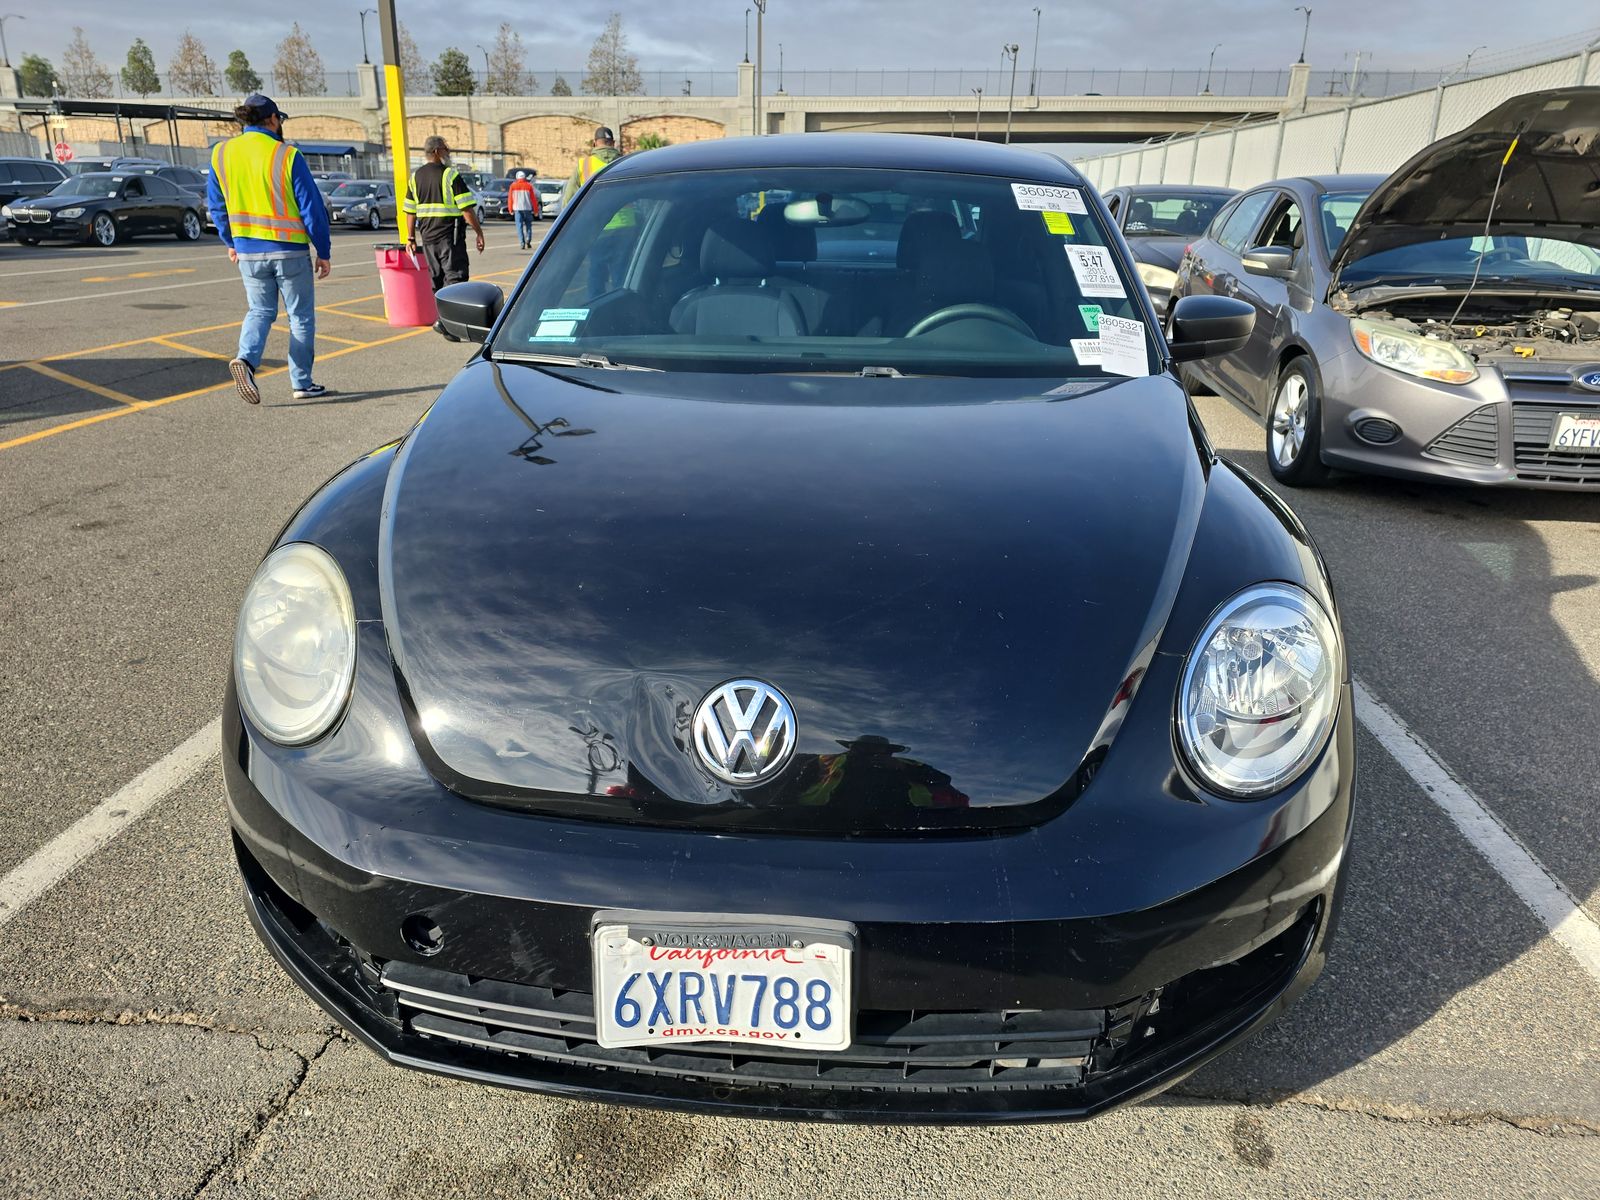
(549, 197)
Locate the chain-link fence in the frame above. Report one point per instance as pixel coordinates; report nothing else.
(1367, 136)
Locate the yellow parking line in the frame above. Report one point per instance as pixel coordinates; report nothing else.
(63, 377)
(161, 341)
(136, 275)
(41, 434)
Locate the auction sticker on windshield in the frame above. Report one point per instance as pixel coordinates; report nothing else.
(1039, 197)
(780, 985)
(1091, 266)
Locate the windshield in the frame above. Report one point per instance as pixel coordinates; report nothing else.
(328, 186)
(357, 190)
(1505, 260)
(88, 185)
(1338, 209)
(1174, 216)
(833, 270)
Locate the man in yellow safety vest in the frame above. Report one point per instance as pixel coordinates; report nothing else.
(441, 206)
(268, 212)
(605, 258)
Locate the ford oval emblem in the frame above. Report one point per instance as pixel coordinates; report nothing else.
(1590, 380)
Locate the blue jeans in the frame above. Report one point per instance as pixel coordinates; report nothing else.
(524, 225)
(264, 280)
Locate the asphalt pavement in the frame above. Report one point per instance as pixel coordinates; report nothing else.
(149, 1047)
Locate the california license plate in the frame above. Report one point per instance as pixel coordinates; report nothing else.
(1576, 431)
(775, 983)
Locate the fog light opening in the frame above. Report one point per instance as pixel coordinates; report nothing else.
(421, 934)
(1376, 431)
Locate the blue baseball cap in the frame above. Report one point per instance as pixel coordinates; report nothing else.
(263, 103)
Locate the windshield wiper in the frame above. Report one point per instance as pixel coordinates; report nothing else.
(597, 362)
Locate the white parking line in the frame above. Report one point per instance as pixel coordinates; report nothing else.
(82, 263)
(49, 864)
(1529, 878)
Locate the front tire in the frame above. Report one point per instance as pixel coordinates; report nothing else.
(190, 229)
(374, 220)
(103, 230)
(1294, 428)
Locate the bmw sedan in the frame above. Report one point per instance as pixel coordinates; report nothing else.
(104, 209)
(1442, 323)
(771, 683)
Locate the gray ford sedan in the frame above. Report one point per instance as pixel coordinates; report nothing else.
(1443, 323)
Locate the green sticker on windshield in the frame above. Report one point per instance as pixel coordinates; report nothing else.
(1091, 316)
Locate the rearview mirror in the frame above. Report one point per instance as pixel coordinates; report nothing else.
(1205, 326)
(469, 309)
(1275, 262)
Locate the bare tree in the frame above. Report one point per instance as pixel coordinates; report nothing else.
(82, 74)
(506, 58)
(298, 68)
(612, 70)
(414, 70)
(192, 71)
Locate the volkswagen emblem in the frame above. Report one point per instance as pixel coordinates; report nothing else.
(744, 732)
(1590, 380)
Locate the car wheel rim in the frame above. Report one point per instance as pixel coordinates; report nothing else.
(104, 231)
(374, 220)
(1289, 420)
(191, 227)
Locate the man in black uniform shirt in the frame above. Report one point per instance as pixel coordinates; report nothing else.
(441, 206)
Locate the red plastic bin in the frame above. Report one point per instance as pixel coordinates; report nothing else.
(407, 286)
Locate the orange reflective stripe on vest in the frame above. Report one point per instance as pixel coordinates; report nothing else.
(255, 172)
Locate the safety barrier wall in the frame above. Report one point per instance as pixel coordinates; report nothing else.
(1373, 135)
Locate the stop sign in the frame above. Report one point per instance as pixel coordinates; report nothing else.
(63, 152)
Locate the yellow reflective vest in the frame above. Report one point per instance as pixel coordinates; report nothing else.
(253, 171)
(591, 165)
(446, 208)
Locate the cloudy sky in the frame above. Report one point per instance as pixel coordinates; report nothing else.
(694, 34)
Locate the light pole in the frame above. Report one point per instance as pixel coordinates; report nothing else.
(1306, 34)
(364, 14)
(1466, 68)
(747, 35)
(977, 113)
(760, 99)
(1033, 71)
(486, 69)
(780, 68)
(5, 56)
(1009, 50)
(1206, 91)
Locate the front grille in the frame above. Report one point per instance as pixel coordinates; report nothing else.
(1473, 441)
(1531, 427)
(892, 1052)
(39, 217)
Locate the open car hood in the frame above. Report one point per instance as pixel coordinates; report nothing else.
(953, 581)
(1549, 143)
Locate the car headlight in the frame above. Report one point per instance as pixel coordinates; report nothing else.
(1260, 690)
(69, 213)
(358, 210)
(5, 210)
(294, 652)
(1157, 278)
(1412, 353)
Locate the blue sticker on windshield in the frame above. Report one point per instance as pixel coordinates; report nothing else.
(548, 330)
(564, 314)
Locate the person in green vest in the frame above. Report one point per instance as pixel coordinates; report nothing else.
(610, 248)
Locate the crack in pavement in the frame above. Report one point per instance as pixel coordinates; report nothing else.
(252, 1144)
(1401, 1112)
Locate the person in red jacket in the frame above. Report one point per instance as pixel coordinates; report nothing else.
(523, 202)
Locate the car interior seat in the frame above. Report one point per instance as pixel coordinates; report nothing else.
(1139, 214)
(738, 257)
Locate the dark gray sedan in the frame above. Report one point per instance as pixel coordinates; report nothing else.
(1158, 221)
(366, 202)
(1443, 323)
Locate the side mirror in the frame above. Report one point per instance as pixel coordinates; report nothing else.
(469, 309)
(1205, 326)
(1275, 262)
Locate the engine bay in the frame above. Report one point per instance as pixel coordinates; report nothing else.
(1499, 328)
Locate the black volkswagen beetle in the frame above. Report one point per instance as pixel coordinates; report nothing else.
(770, 681)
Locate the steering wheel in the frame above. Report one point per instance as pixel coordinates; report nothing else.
(962, 312)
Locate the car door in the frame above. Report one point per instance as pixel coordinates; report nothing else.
(385, 203)
(1254, 367)
(167, 203)
(131, 208)
(1222, 270)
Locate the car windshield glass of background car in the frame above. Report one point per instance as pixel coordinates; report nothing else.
(1505, 258)
(89, 185)
(834, 270)
(352, 191)
(1177, 216)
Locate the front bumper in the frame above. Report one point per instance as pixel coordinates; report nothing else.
(76, 228)
(1111, 1005)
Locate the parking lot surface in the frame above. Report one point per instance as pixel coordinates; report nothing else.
(149, 1046)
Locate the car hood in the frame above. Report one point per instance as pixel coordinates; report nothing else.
(1546, 143)
(954, 582)
(1159, 251)
(54, 202)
